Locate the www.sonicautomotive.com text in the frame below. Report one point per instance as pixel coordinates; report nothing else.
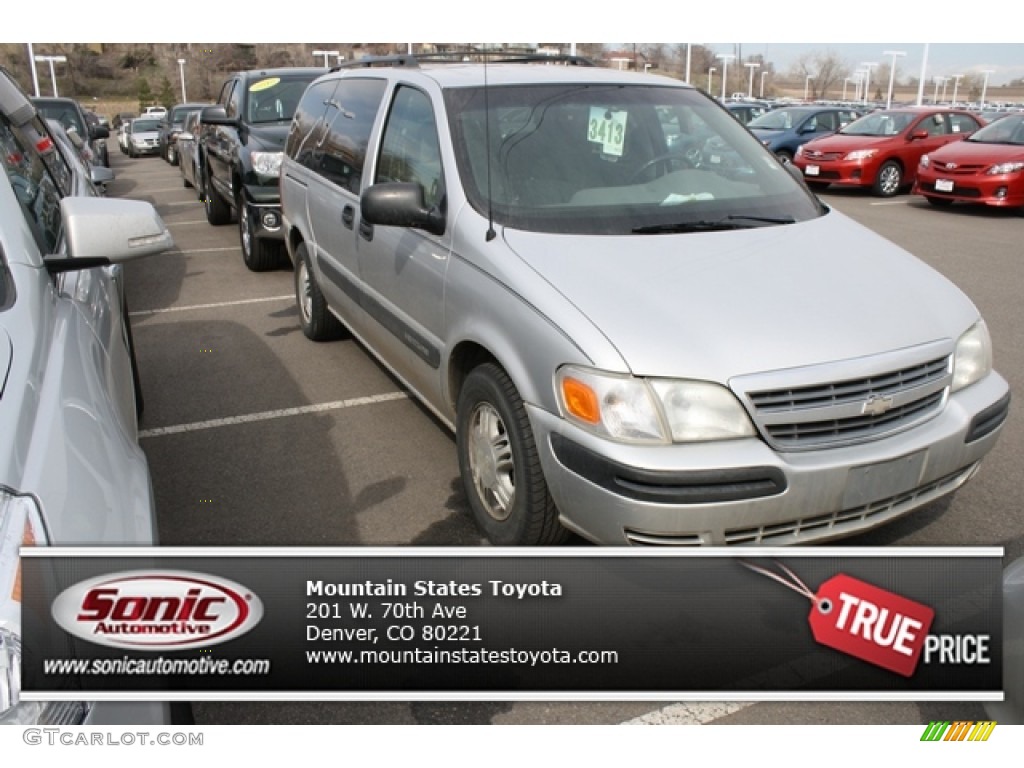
(158, 665)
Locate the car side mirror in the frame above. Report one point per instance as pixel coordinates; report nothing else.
(400, 204)
(99, 174)
(216, 116)
(99, 132)
(918, 135)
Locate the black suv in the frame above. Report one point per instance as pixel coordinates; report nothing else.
(240, 153)
(72, 118)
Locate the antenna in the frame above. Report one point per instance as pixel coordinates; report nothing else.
(491, 234)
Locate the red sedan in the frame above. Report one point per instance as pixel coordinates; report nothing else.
(986, 168)
(882, 149)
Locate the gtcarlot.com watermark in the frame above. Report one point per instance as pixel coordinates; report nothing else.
(75, 737)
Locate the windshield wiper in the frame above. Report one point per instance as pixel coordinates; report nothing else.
(732, 221)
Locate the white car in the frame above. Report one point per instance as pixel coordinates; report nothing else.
(143, 137)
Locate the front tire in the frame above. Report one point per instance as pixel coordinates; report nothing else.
(172, 154)
(318, 324)
(889, 179)
(259, 255)
(500, 464)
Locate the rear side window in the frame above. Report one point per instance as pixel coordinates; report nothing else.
(350, 116)
(34, 186)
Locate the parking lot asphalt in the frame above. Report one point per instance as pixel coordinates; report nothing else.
(257, 436)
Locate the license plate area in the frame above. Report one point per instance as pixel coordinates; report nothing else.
(873, 482)
(943, 185)
(812, 170)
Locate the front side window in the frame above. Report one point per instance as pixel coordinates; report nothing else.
(608, 159)
(879, 124)
(410, 150)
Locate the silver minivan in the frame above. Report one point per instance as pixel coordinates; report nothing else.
(640, 326)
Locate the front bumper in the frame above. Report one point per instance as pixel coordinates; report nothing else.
(744, 493)
(1003, 191)
(263, 207)
(853, 173)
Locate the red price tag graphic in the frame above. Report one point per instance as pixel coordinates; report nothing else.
(871, 623)
(864, 621)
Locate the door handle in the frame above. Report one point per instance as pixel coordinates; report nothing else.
(348, 215)
(365, 229)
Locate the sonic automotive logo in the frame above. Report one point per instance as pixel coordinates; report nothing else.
(157, 610)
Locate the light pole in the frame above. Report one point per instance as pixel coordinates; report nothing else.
(807, 83)
(763, 75)
(751, 65)
(326, 55)
(984, 87)
(867, 77)
(725, 69)
(892, 74)
(711, 71)
(689, 55)
(956, 85)
(935, 96)
(53, 75)
(32, 66)
(181, 71)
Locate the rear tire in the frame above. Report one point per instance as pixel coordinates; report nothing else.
(318, 324)
(218, 212)
(500, 464)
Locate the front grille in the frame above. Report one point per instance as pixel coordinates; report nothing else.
(960, 170)
(846, 411)
(821, 156)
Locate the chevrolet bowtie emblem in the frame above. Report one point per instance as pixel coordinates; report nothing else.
(876, 405)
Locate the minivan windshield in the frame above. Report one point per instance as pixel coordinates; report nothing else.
(612, 159)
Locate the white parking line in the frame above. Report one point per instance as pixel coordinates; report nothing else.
(689, 713)
(218, 305)
(184, 223)
(269, 415)
(892, 202)
(203, 250)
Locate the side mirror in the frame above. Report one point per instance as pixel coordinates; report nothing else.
(100, 174)
(400, 204)
(101, 231)
(186, 136)
(918, 135)
(99, 132)
(216, 116)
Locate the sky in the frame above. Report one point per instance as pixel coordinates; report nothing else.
(977, 41)
(1006, 60)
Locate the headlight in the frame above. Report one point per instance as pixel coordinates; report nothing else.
(635, 410)
(925, 161)
(861, 154)
(21, 525)
(997, 170)
(267, 163)
(973, 357)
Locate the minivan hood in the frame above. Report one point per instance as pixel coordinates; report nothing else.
(714, 305)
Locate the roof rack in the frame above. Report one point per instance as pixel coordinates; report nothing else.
(413, 60)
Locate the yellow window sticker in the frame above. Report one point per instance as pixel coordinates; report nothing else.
(608, 129)
(262, 85)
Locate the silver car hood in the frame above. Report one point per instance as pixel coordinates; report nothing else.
(713, 305)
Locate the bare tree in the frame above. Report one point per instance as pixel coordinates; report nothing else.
(826, 71)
